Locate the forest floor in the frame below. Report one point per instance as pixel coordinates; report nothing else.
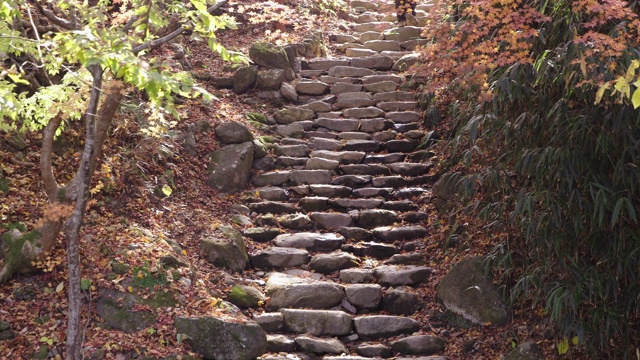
(125, 212)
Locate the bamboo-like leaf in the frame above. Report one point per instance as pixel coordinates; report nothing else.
(635, 99)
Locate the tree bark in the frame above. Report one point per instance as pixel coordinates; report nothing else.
(72, 228)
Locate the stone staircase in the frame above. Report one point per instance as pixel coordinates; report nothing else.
(338, 230)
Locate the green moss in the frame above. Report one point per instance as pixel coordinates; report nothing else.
(120, 268)
(4, 186)
(14, 257)
(62, 195)
(162, 299)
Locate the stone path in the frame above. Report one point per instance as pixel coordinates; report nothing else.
(335, 210)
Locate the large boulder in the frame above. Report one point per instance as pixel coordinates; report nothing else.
(244, 78)
(446, 188)
(466, 290)
(121, 310)
(215, 338)
(225, 249)
(230, 168)
(233, 133)
(272, 56)
(270, 79)
(526, 351)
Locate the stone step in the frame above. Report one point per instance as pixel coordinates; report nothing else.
(288, 291)
(310, 241)
(279, 258)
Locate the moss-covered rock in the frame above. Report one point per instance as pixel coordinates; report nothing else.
(467, 291)
(230, 167)
(526, 351)
(118, 309)
(272, 56)
(225, 249)
(215, 338)
(245, 296)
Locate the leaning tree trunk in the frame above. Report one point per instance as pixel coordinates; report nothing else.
(26, 249)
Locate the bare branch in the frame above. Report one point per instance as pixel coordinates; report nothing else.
(174, 34)
(66, 24)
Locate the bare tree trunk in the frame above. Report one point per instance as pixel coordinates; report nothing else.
(72, 228)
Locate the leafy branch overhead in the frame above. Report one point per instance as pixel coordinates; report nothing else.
(117, 38)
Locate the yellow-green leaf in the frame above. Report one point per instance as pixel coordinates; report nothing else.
(636, 98)
(631, 71)
(600, 93)
(622, 85)
(563, 347)
(575, 340)
(60, 287)
(166, 190)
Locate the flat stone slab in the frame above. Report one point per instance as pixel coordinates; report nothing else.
(261, 234)
(326, 64)
(356, 233)
(328, 263)
(372, 192)
(310, 176)
(402, 205)
(355, 100)
(270, 322)
(279, 258)
(382, 45)
(273, 193)
(358, 50)
(371, 249)
(377, 217)
(390, 181)
(350, 71)
(382, 77)
(314, 203)
(320, 346)
(289, 162)
(376, 62)
(402, 34)
(378, 326)
(337, 124)
(354, 135)
(317, 322)
(391, 234)
(373, 26)
(364, 169)
(381, 87)
(410, 169)
(370, 35)
(363, 145)
(322, 164)
(396, 106)
(291, 115)
(331, 221)
(272, 178)
(310, 241)
(393, 275)
(356, 276)
(419, 345)
(273, 207)
(292, 150)
(363, 113)
(344, 157)
(374, 125)
(343, 87)
(356, 203)
(401, 302)
(364, 296)
(313, 87)
(317, 106)
(288, 291)
(403, 117)
(351, 180)
(280, 343)
(373, 350)
(331, 190)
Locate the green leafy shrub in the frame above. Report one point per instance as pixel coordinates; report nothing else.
(546, 165)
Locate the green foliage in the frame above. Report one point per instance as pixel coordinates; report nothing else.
(118, 42)
(559, 173)
(332, 7)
